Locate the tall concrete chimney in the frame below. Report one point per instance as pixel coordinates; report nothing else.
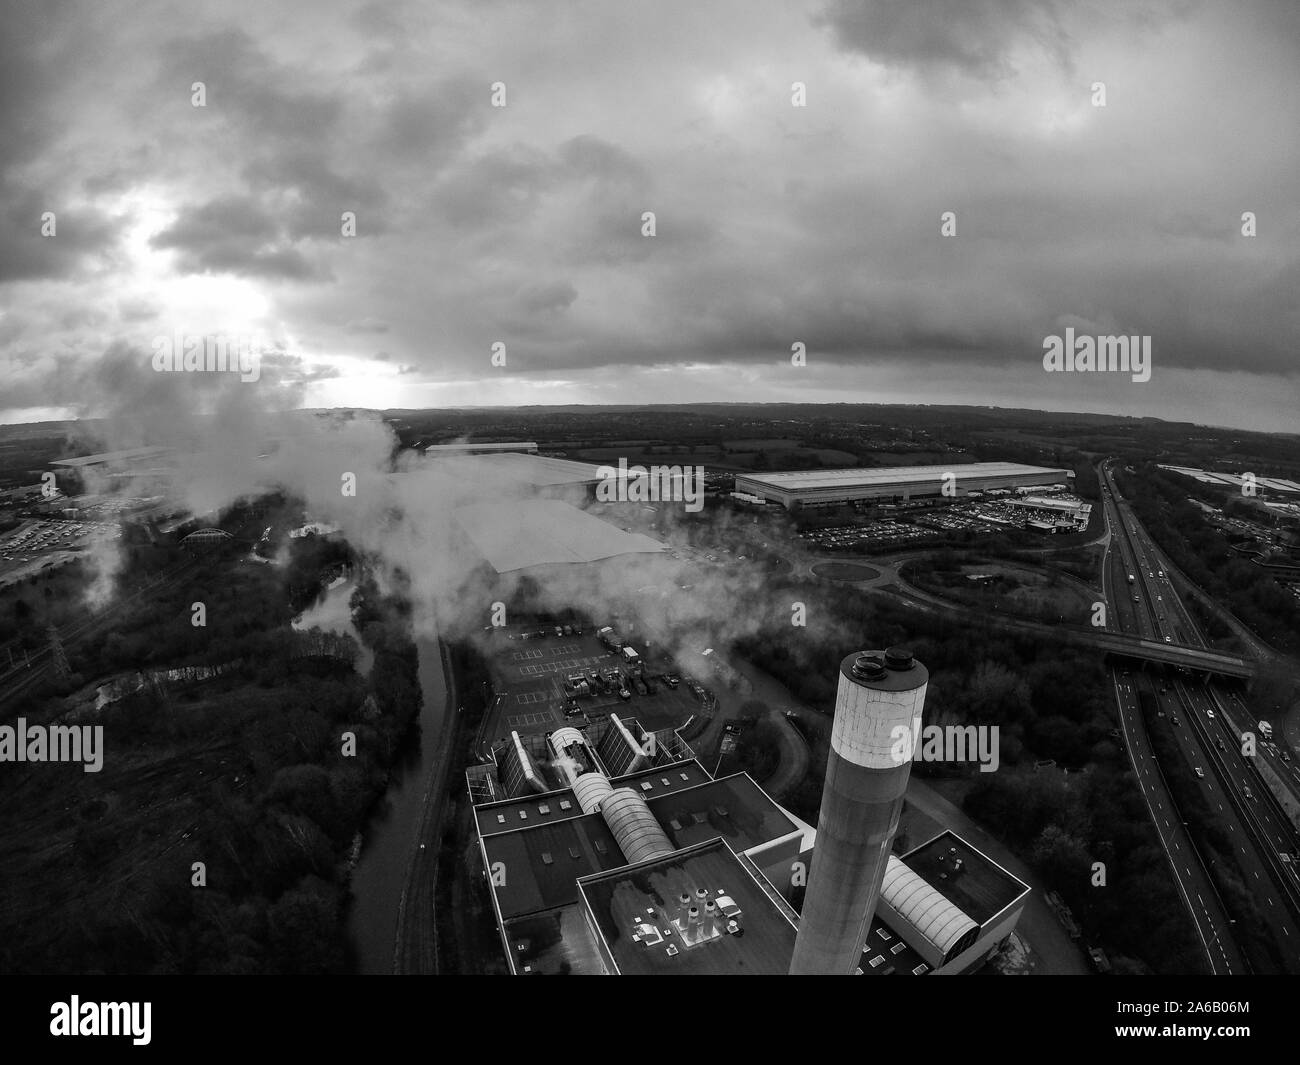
(877, 720)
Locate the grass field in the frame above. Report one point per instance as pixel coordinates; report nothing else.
(845, 571)
(1006, 587)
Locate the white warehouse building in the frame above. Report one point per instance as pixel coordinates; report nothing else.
(820, 488)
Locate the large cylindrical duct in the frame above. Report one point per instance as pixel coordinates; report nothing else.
(877, 722)
(638, 834)
(591, 790)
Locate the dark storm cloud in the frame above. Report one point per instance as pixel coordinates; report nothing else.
(547, 297)
(30, 123)
(973, 36)
(773, 223)
(249, 89)
(236, 235)
(430, 125)
(80, 234)
(363, 326)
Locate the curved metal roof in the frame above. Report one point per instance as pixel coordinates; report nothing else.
(936, 918)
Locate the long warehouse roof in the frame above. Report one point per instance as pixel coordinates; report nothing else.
(886, 475)
(517, 534)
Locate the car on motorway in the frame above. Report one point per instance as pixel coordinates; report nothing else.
(1199, 772)
(1219, 743)
(1174, 719)
(1209, 714)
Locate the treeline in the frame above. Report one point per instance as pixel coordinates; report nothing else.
(1049, 703)
(1062, 825)
(1201, 552)
(272, 768)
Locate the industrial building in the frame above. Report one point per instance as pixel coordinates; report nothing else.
(524, 533)
(610, 849)
(115, 459)
(525, 447)
(1234, 480)
(1054, 515)
(821, 488)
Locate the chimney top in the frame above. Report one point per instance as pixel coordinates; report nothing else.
(898, 658)
(868, 666)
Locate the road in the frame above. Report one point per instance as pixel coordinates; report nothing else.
(1144, 600)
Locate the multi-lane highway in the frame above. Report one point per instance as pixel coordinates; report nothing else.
(1259, 831)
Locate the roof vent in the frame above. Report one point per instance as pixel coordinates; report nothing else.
(898, 658)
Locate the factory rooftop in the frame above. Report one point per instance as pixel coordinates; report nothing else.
(972, 881)
(536, 471)
(107, 458)
(890, 475)
(517, 534)
(642, 928)
(1276, 484)
(653, 783)
(545, 845)
(524, 446)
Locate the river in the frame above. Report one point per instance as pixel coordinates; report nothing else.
(390, 835)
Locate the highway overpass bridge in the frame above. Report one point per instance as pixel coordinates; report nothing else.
(1173, 654)
(1118, 643)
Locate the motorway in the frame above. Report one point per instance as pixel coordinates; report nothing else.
(1259, 830)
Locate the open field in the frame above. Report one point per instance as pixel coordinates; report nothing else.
(1010, 588)
(845, 571)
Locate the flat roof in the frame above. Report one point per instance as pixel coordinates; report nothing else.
(980, 888)
(1277, 484)
(1039, 503)
(733, 808)
(887, 475)
(519, 533)
(540, 866)
(471, 448)
(503, 816)
(112, 456)
(641, 901)
(538, 471)
(558, 943)
(886, 953)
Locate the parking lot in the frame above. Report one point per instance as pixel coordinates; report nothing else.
(530, 667)
(39, 544)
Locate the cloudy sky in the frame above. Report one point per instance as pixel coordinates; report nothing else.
(774, 224)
